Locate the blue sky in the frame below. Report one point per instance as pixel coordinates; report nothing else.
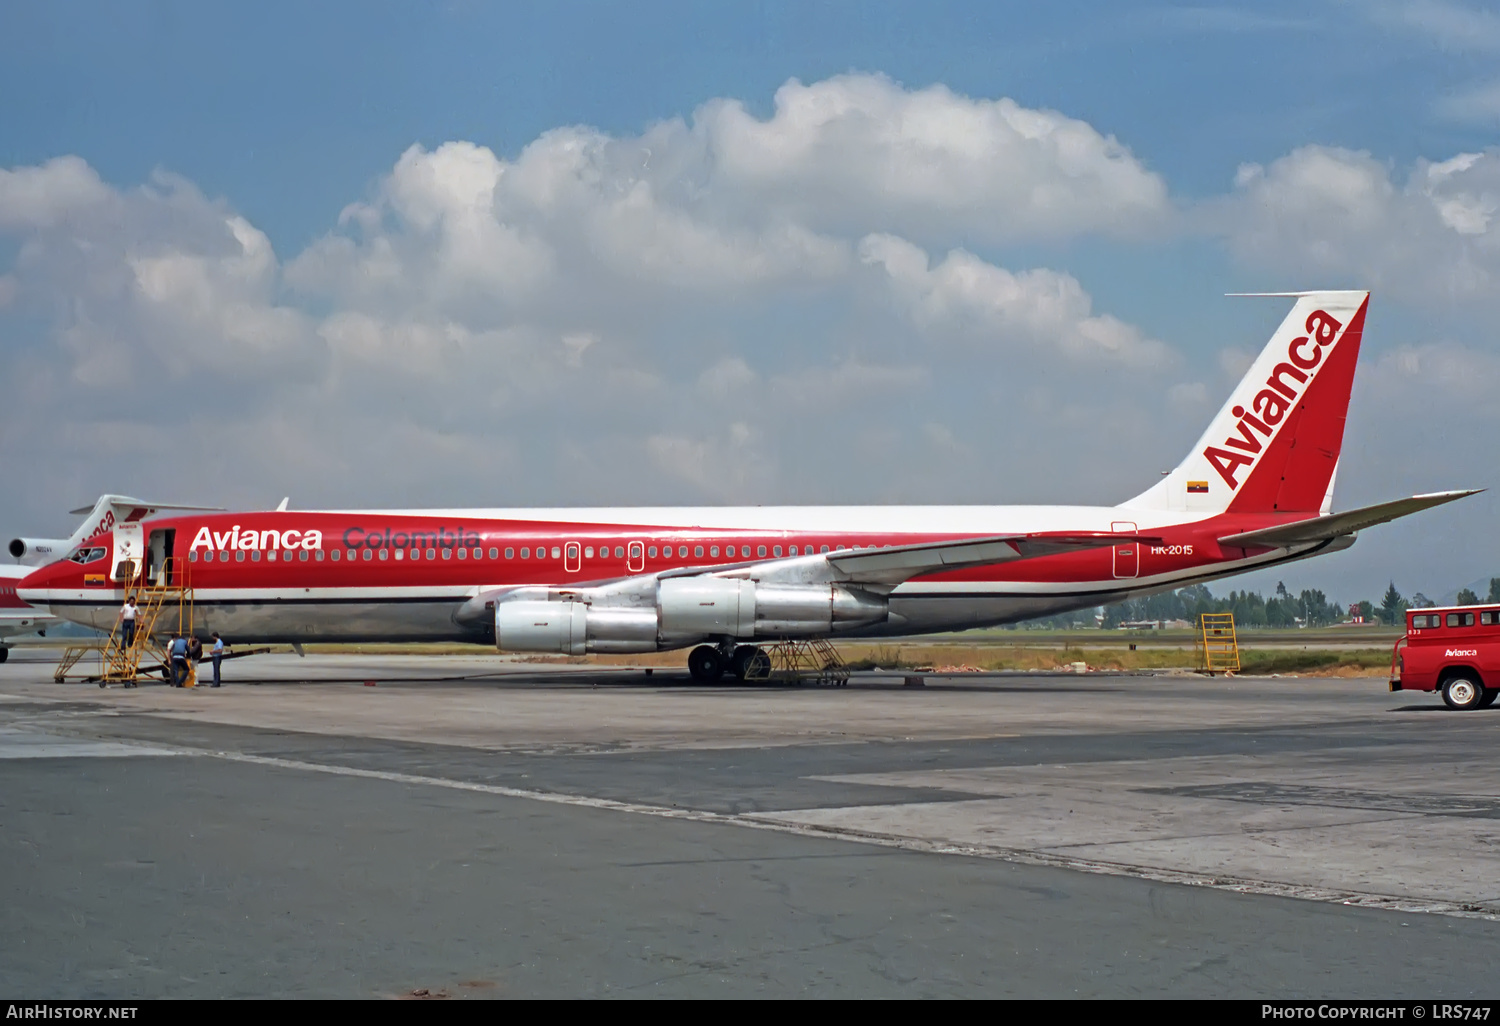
(284, 115)
(291, 109)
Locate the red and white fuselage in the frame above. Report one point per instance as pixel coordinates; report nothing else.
(403, 576)
(1255, 491)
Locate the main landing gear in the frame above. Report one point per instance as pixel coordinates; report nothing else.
(707, 663)
(4, 653)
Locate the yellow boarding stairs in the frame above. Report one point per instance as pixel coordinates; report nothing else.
(1218, 645)
(164, 605)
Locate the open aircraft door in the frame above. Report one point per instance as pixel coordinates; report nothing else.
(129, 549)
(161, 569)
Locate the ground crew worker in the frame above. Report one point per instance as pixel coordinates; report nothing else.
(194, 654)
(217, 654)
(127, 623)
(179, 652)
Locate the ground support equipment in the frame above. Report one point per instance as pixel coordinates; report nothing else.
(799, 662)
(1218, 644)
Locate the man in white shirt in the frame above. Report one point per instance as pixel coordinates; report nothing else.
(216, 654)
(127, 623)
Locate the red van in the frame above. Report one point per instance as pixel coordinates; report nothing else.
(1452, 650)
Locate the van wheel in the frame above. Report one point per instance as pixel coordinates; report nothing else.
(1460, 692)
(1488, 698)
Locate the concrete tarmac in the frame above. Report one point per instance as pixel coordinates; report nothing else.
(367, 826)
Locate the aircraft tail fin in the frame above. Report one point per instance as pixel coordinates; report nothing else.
(1275, 445)
(110, 510)
(100, 518)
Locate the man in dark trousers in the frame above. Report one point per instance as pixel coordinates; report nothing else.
(194, 654)
(178, 651)
(127, 624)
(217, 655)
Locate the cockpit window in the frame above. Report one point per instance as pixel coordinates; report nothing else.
(87, 555)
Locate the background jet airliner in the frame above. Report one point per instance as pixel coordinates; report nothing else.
(17, 616)
(1255, 491)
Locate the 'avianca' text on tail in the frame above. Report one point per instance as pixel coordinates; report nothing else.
(1255, 491)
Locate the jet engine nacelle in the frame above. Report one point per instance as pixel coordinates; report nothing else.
(38, 551)
(571, 627)
(693, 607)
(687, 610)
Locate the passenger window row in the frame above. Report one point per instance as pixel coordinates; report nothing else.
(736, 551)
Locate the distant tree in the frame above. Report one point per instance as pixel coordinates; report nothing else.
(1494, 590)
(1466, 598)
(1392, 606)
(1367, 610)
(1250, 609)
(1317, 610)
(1420, 601)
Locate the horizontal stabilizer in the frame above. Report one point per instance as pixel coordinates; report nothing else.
(111, 510)
(125, 500)
(891, 566)
(1336, 525)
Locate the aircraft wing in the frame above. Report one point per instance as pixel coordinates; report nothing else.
(1336, 525)
(876, 570)
(891, 566)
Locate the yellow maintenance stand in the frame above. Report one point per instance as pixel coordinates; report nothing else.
(1218, 645)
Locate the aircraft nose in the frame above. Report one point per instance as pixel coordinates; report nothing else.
(33, 587)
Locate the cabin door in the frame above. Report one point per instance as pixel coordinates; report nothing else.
(1127, 554)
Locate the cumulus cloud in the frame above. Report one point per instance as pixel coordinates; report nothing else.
(723, 466)
(41, 196)
(860, 151)
(726, 201)
(702, 311)
(968, 297)
(1333, 213)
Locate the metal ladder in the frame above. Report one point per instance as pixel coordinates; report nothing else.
(121, 663)
(1218, 644)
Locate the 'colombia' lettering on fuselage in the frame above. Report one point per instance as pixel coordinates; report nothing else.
(438, 537)
(1272, 403)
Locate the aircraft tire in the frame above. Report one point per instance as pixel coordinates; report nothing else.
(4, 653)
(705, 665)
(1461, 692)
(740, 661)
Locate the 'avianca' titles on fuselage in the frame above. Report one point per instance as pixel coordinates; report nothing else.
(1256, 490)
